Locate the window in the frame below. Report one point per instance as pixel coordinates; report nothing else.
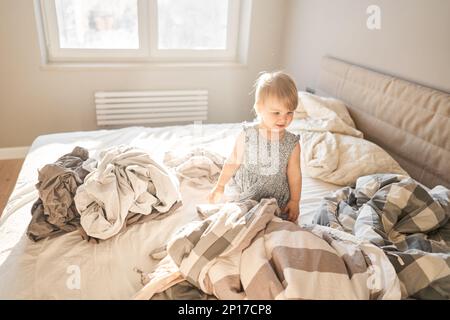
(80, 30)
(140, 30)
(202, 28)
(86, 24)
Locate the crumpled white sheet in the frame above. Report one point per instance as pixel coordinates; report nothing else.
(333, 150)
(197, 165)
(127, 180)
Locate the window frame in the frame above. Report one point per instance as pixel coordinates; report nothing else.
(148, 40)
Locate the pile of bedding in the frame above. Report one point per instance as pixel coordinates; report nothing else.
(407, 220)
(55, 213)
(332, 149)
(243, 250)
(125, 187)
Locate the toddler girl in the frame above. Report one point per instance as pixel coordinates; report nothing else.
(265, 161)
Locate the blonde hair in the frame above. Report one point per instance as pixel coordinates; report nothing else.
(278, 85)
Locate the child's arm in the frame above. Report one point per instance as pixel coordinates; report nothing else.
(231, 165)
(294, 174)
(233, 162)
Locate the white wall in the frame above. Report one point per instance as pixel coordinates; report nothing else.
(34, 101)
(413, 43)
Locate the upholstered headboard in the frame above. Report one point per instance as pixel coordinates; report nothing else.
(409, 121)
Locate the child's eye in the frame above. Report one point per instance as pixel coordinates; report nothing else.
(276, 113)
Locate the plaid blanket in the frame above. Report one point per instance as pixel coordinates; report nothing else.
(408, 221)
(242, 250)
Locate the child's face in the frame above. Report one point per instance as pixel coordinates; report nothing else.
(274, 114)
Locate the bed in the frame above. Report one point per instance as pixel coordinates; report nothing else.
(107, 269)
(40, 270)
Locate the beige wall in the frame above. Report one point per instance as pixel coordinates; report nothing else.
(35, 102)
(413, 43)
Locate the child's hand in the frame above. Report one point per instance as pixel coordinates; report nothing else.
(215, 194)
(292, 209)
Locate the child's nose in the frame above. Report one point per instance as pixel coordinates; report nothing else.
(283, 118)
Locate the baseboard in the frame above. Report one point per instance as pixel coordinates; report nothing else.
(13, 153)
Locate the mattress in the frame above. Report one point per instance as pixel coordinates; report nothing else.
(68, 267)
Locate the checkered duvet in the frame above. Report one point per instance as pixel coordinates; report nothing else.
(405, 219)
(242, 250)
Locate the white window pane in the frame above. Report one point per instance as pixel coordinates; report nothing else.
(98, 24)
(192, 24)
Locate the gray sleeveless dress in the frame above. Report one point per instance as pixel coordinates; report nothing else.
(263, 173)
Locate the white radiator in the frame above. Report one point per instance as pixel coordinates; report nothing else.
(115, 108)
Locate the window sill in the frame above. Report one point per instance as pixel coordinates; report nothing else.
(95, 66)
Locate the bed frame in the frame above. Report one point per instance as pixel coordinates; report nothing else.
(410, 121)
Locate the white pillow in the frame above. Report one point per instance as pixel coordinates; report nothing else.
(333, 150)
(312, 105)
(300, 112)
(342, 159)
(316, 113)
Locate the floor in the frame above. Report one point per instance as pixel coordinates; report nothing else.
(9, 170)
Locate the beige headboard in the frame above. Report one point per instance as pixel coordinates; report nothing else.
(409, 121)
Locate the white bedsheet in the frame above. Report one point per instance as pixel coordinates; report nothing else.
(49, 269)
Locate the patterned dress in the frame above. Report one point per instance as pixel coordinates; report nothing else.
(263, 173)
